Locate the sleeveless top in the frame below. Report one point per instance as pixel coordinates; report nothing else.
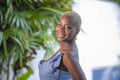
(51, 70)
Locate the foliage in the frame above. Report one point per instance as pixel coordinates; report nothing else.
(25, 26)
(117, 1)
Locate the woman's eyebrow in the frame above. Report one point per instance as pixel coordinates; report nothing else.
(64, 24)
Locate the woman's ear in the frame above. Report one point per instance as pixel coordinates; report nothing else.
(78, 30)
(77, 33)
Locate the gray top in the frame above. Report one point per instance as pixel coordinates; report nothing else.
(50, 70)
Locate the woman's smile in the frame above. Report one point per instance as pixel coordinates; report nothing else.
(60, 35)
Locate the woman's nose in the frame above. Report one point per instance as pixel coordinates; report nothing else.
(62, 29)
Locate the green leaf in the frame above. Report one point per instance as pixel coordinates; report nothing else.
(5, 47)
(10, 32)
(53, 10)
(1, 37)
(1, 16)
(26, 75)
(8, 2)
(18, 41)
(21, 59)
(30, 5)
(9, 9)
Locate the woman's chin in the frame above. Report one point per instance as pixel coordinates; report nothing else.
(61, 39)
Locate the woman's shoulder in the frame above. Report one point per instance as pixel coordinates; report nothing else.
(70, 54)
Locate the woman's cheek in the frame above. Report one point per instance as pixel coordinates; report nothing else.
(56, 29)
(69, 32)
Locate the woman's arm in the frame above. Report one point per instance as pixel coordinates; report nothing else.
(73, 67)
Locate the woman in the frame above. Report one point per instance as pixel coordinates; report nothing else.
(64, 64)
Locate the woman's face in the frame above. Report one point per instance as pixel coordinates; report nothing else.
(65, 31)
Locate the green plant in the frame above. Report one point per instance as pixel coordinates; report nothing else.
(25, 26)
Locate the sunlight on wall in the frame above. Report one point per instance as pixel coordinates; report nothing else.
(99, 46)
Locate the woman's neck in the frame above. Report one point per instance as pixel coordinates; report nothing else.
(67, 46)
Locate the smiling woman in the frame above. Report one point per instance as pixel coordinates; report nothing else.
(64, 64)
(68, 25)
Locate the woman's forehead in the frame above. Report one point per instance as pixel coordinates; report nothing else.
(65, 18)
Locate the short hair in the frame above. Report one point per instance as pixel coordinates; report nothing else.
(75, 18)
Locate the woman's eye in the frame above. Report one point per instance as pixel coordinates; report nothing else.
(69, 27)
(58, 24)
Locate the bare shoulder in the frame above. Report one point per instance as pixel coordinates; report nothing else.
(68, 55)
(73, 66)
(71, 55)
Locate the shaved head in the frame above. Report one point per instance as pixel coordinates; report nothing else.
(74, 18)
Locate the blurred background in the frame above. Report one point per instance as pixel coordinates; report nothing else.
(27, 36)
(99, 47)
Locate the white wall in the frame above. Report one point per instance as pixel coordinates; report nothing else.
(99, 46)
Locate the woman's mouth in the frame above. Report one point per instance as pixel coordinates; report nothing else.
(60, 35)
